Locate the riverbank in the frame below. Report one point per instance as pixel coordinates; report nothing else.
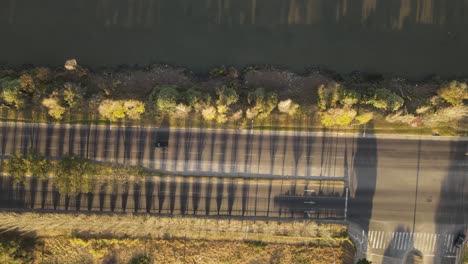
(264, 97)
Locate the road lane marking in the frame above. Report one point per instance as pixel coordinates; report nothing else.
(379, 234)
(447, 243)
(381, 239)
(372, 240)
(401, 241)
(385, 241)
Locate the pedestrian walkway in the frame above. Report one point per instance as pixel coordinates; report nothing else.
(425, 242)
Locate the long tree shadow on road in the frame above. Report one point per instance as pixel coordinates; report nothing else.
(196, 193)
(149, 194)
(451, 215)
(184, 195)
(161, 193)
(208, 194)
(363, 180)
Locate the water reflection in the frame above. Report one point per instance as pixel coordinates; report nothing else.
(409, 37)
(391, 14)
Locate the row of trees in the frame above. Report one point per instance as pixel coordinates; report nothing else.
(225, 105)
(337, 105)
(71, 174)
(343, 107)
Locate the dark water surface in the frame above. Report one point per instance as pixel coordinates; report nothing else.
(406, 37)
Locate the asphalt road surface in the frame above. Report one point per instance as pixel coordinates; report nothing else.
(397, 185)
(210, 196)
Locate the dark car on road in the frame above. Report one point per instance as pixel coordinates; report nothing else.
(459, 240)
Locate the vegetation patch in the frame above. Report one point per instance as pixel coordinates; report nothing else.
(228, 97)
(67, 238)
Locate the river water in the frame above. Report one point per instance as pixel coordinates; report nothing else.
(412, 38)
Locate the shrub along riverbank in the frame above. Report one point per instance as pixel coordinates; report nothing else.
(226, 97)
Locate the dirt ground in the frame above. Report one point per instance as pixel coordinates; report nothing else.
(138, 83)
(74, 250)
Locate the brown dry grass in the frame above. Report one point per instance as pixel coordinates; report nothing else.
(75, 250)
(68, 238)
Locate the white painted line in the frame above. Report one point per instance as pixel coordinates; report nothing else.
(431, 242)
(434, 242)
(387, 237)
(446, 243)
(423, 242)
(401, 241)
(404, 238)
(374, 238)
(416, 239)
(392, 240)
(382, 240)
(396, 240)
(377, 239)
(370, 238)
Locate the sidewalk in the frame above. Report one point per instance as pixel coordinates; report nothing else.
(246, 131)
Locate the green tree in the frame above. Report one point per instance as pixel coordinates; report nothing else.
(73, 175)
(329, 95)
(18, 168)
(11, 93)
(322, 98)
(454, 92)
(38, 165)
(72, 94)
(227, 95)
(193, 97)
(385, 100)
(349, 97)
(166, 99)
(264, 103)
(27, 83)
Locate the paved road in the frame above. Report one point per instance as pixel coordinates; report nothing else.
(179, 195)
(397, 184)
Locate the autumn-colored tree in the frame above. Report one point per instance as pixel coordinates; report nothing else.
(112, 110)
(288, 107)
(134, 109)
(338, 117)
(454, 92)
(54, 109)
